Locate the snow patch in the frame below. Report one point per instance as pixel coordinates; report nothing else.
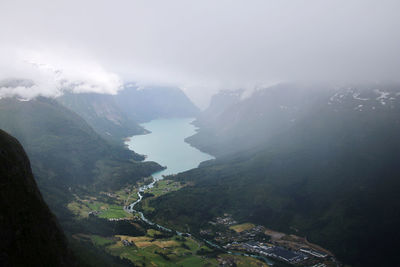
(357, 96)
(333, 98)
(382, 96)
(359, 108)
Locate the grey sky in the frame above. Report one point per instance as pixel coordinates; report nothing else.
(200, 46)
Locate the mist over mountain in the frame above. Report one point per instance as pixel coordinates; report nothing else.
(246, 123)
(239, 124)
(218, 104)
(331, 174)
(148, 103)
(103, 114)
(203, 47)
(297, 103)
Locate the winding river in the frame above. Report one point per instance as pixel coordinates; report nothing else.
(165, 145)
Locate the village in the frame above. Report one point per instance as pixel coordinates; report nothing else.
(257, 240)
(243, 238)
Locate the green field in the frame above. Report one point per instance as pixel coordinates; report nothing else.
(101, 241)
(167, 251)
(242, 227)
(114, 212)
(147, 251)
(163, 187)
(155, 248)
(82, 207)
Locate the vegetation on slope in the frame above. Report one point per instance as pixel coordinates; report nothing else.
(103, 114)
(65, 151)
(332, 177)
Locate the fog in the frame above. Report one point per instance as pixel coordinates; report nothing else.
(201, 47)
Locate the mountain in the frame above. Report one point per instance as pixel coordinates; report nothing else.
(218, 104)
(103, 114)
(332, 175)
(115, 117)
(30, 234)
(145, 104)
(232, 123)
(66, 152)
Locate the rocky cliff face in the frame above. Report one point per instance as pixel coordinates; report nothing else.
(30, 234)
(103, 114)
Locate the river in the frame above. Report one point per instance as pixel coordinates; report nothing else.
(166, 146)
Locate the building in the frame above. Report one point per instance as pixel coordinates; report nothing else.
(313, 252)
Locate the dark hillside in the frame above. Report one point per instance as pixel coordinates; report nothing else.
(66, 152)
(30, 234)
(332, 177)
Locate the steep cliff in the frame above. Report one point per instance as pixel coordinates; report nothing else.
(30, 234)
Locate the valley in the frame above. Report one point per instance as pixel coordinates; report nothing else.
(159, 246)
(232, 242)
(319, 176)
(199, 133)
(298, 198)
(224, 238)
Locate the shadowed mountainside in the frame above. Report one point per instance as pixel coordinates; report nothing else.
(66, 152)
(332, 175)
(30, 234)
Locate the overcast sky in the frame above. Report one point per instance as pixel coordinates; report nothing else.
(201, 46)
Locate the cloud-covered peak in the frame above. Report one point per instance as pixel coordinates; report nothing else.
(32, 73)
(204, 46)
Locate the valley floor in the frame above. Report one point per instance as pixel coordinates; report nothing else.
(232, 242)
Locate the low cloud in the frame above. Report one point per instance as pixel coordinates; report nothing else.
(204, 46)
(27, 74)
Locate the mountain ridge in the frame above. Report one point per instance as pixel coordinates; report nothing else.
(66, 152)
(103, 114)
(155, 102)
(333, 176)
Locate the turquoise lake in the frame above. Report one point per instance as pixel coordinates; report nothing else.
(166, 145)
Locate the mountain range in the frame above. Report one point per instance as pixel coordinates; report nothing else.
(75, 145)
(154, 102)
(65, 151)
(103, 114)
(319, 162)
(315, 160)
